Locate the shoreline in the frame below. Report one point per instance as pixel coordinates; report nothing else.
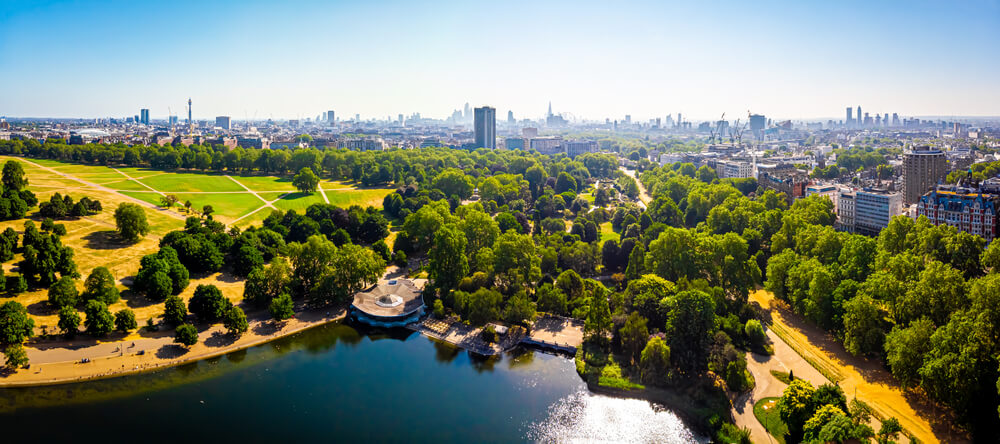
(107, 367)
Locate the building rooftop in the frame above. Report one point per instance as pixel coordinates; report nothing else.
(390, 299)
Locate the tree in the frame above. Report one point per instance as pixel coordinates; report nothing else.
(69, 321)
(174, 310)
(863, 333)
(13, 176)
(453, 182)
(483, 306)
(282, 307)
(481, 231)
(16, 357)
(130, 220)
(246, 259)
(208, 303)
(306, 181)
(634, 335)
(100, 285)
(690, 325)
(186, 335)
(655, 359)
(888, 431)
(235, 321)
(125, 320)
(755, 332)
(565, 182)
(905, 349)
(266, 283)
(598, 322)
(515, 260)
(169, 201)
(519, 309)
(551, 300)
(207, 211)
(99, 321)
(448, 260)
(796, 407)
(63, 293)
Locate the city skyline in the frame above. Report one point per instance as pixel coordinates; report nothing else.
(597, 61)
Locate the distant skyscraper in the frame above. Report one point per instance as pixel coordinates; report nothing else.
(628, 119)
(510, 117)
(550, 110)
(223, 122)
(895, 119)
(190, 121)
(485, 127)
(330, 117)
(144, 116)
(400, 118)
(850, 118)
(467, 111)
(859, 116)
(757, 123)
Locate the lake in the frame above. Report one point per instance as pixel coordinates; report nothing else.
(342, 383)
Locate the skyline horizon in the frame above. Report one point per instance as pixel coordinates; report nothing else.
(387, 57)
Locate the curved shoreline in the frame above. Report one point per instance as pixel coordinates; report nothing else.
(106, 367)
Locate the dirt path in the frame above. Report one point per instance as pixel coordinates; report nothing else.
(866, 379)
(105, 189)
(137, 181)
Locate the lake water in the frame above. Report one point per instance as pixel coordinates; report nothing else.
(336, 383)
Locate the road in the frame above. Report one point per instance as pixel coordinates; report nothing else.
(644, 196)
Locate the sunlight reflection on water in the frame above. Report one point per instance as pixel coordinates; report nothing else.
(584, 417)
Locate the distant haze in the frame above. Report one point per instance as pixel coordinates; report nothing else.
(594, 60)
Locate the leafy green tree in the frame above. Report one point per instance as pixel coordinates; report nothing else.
(306, 180)
(235, 321)
(63, 293)
(655, 360)
(634, 335)
(480, 230)
(690, 326)
(888, 431)
(551, 300)
(69, 321)
(130, 220)
(282, 307)
(266, 283)
(448, 260)
(15, 356)
(940, 292)
(516, 261)
(208, 303)
(755, 332)
(125, 320)
(636, 259)
(13, 176)
(483, 306)
(598, 323)
(812, 427)
(453, 182)
(99, 321)
(186, 335)
(519, 309)
(565, 182)
(905, 349)
(863, 333)
(174, 310)
(990, 259)
(100, 285)
(796, 406)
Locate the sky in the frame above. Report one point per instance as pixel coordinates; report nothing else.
(593, 60)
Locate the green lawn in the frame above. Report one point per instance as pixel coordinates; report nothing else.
(180, 182)
(266, 183)
(344, 199)
(297, 201)
(153, 198)
(766, 411)
(607, 232)
(124, 184)
(227, 207)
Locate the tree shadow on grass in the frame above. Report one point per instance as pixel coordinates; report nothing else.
(135, 300)
(171, 351)
(105, 240)
(40, 308)
(267, 328)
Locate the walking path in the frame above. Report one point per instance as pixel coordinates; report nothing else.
(266, 203)
(105, 189)
(644, 196)
(323, 193)
(865, 379)
(137, 181)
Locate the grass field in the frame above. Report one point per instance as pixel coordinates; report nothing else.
(228, 195)
(607, 232)
(766, 411)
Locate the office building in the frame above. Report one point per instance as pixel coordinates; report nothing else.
(850, 118)
(576, 147)
(845, 210)
(967, 206)
(860, 122)
(874, 208)
(757, 124)
(330, 117)
(529, 133)
(223, 122)
(510, 117)
(144, 116)
(547, 145)
(515, 143)
(733, 169)
(923, 167)
(171, 120)
(789, 181)
(366, 144)
(485, 127)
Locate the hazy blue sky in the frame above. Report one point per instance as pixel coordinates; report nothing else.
(593, 59)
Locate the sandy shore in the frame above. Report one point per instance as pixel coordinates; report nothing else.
(60, 362)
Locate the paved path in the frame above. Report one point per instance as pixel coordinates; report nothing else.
(323, 193)
(266, 203)
(105, 189)
(644, 196)
(137, 181)
(784, 359)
